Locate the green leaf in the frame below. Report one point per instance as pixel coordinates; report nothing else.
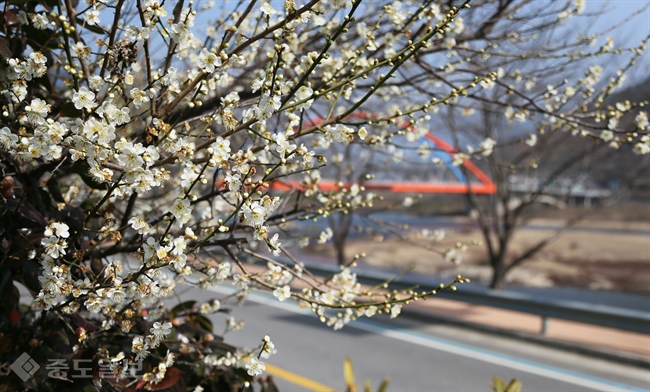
(243, 374)
(367, 387)
(221, 347)
(181, 307)
(348, 375)
(89, 203)
(203, 321)
(498, 385)
(383, 387)
(88, 180)
(514, 386)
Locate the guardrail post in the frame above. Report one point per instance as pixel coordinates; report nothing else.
(544, 325)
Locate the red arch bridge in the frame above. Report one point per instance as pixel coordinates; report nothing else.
(445, 152)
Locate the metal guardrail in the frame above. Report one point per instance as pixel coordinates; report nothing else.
(601, 315)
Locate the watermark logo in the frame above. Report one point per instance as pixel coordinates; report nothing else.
(25, 367)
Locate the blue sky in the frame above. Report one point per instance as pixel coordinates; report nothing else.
(630, 34)
(633, 31)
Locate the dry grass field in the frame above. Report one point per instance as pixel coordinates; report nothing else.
(610, 253)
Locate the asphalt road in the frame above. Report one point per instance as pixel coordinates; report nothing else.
(416, 356)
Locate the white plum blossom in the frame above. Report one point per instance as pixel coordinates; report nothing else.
(139, 347)
(34, 66)
(255, 367)
(208, 61)
(37, 111)
(607, 135)
(268, 347)
(253, 214)
(220, 149)
(274, 244)
(395, 310)
(284, 146)
(267, 9)
(40, 21)
(54, 247)
(139, 224)
(84, 99)
(487, 146)
(641, 120)
(22, 17)
(7, 139)
(612, 123)
(58, 229)
(81, 51)
(161, 330)
(267, 106)
(362, 133)
(282, 293)
(139, 97)
(303, 93)
(642, 148)
(96, 82)
(532, 140)
(92, 17)
(457, 26)
(241, 281)
(339, 133)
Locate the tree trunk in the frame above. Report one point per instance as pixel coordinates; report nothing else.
(340, 225)
(339, 246)
(499, 272)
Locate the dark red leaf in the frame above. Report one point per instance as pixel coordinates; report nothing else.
(14, 316)
(83, 323)
(69, 110)
(5, 51)
(29, 212)
(31, 272)
(171, 377)
(11, 18)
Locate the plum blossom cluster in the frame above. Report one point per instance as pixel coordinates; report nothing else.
(55, 279)
(131, 173)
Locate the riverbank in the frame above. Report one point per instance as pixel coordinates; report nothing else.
(595, 254)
